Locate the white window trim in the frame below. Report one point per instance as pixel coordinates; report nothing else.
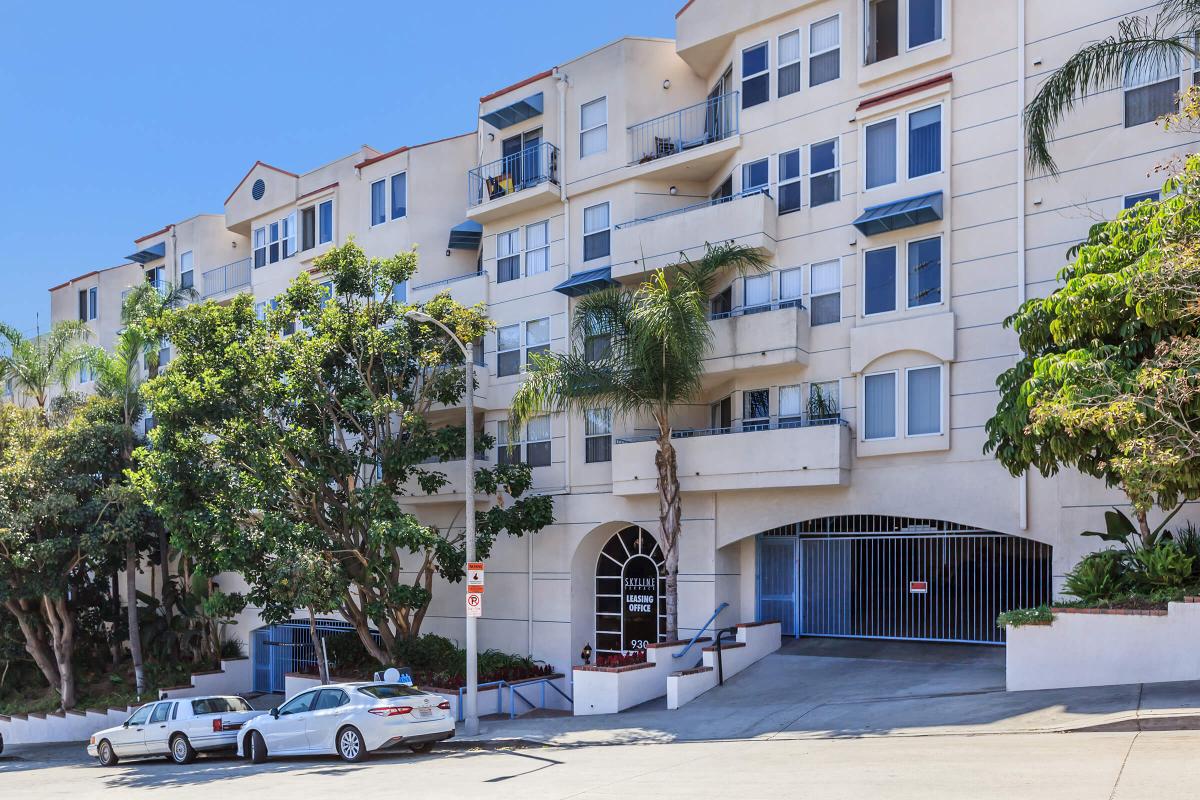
(814, 53)
(527, 249)
(370, 203)
(766, 70)
(767, 276)
(909, 47)
(806, 397)
(896, 428)
(941, 106)
(896, 266)
(799, 298)
(526, 346)
(332, 221)
(1183, 76)
(940, 236)
(255, 248)
(391, 200)
(838, 291)
(941, 368)
(901, 152)
(742, 174)
(799, 151)
(587, 233)
(587, 437)
(93, 301)
(903, 34)
(835, 169)
(583, 130)
(515, 253)
(518, 349)
(799, 59)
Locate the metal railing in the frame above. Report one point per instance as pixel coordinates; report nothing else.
(700, 632)
(224, 279)
(715, 201)
(513, 694)
(161, 286)
(530, 167)
(773, 424)
(709, 121)
(448, 281)
(757, 308)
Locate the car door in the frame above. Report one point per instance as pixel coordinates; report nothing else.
(130, 738)
(288, 732)
(327, 713)
(157, 730)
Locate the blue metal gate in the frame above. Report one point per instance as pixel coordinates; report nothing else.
(878, 577)
(288, 647)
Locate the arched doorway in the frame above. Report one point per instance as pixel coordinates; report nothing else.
(880, 577)
(630, 589)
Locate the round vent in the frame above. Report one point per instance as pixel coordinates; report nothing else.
(258, 189)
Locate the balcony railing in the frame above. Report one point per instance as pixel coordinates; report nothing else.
(710, 121)
(756, 308)
(530, 167)
(160, 285)
(448, 281)
(715, 201)
(227, 278)
(775, 424)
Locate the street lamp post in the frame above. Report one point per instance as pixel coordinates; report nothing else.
(471, 712)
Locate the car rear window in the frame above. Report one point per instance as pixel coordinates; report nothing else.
(220, 705)
(387, 691)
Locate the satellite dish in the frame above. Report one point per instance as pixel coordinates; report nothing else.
(391, 675)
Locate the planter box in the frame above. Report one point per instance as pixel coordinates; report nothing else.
(755, 641)
(1102, 647)
(607, 690)
(234, 677)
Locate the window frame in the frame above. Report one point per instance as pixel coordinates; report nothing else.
(590, 437)
(896, 165)
(539, 347)
(191, 269)
(391, 196)
(908, 267)
(584, 131)
(517, 350)
(1153, 196)
(895, 248)
(836, 383)
(756, 423)
(93, 303)
(766, 184)
(813, 54)
(757, 307)
(908, 115)
(895, 373)
(512, 239)
(606, 231)
(908, 45)
(307, 213)
(797, 180)
(835, 170)
(321, 233)
(540, 248)
(766, 70)
(1180, 84)
(798, 299)
(383, 200)
(256, 247)
(903, 29)
(812, 296)
(780, 65)
(941, 395)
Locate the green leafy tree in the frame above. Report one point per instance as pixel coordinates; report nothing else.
(658, 338)
(37, 366)
(301, 433)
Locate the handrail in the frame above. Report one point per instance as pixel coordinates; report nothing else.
(446, 281)
(532, 166)
(512, 690)
(713, 201)
(700, 632)
(787, 423)
(757, 308)
(499, 697)
(710, 120)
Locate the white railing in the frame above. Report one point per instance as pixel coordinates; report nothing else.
(226, 279)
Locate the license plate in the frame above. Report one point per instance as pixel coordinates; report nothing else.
(425, 712)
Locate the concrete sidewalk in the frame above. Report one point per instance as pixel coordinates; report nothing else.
(884, 689)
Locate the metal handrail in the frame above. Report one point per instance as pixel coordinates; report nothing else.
(700, 632)
(446, 281)
(512, 691)
(714, 201)
(758, 308)
(218, 281)
(535, 165)
(800, 421)
(696, 125)
(499, 697)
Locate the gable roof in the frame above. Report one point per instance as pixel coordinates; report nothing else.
(253, 167)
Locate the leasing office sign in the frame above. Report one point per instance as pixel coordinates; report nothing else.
(639, 603)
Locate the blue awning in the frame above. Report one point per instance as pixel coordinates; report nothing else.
(515, 112)
(151, 253)
(587, 282)
(900, 214)
(465, 236)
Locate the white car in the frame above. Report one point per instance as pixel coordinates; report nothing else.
(349, 719)
(178, 729)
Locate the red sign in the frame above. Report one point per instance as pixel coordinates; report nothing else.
(918, 587)
(475, 575)
(474, 589)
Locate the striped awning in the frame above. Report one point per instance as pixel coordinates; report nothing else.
(515, 112)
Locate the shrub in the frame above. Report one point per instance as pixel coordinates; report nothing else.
(1098, 576)
(621, 659)
(1187, 538)
(1025, 616)
(1164, 565)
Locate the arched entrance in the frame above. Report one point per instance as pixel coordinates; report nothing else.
(880, 577)
(630, 587)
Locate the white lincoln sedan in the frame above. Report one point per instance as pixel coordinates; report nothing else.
(349, 719)
(178, 729)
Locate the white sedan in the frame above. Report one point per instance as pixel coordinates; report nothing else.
(349, 719)
(178, 729)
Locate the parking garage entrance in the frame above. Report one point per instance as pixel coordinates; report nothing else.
(880, 577)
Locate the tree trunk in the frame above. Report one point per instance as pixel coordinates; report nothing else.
(61, 624)
(135, 632)
(322, 664)
(35, 642)
(114, 643)
(669, 511)
(1148, 538)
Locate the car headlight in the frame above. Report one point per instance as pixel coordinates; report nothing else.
(91, 740)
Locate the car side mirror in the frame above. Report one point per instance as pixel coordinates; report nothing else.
(125, 724)
(275, 712)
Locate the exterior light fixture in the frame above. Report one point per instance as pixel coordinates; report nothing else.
(674, 190)
(586, 654)
(667, 83)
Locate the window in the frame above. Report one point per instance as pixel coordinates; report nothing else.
(186, 270)
(595, 232)
(825, 51)
(879, 406)
(161, 711)
(330, 698)
(882, 30)
(273, 242)
(537, 339)
(325, 222)
(1150, 88)
(879, 272)
(289, 235)
(378, 202)
(508, 350)
(593, 127)
(508, 256)
(93, 302)
(755, 175)
(399, 195)
(881, 153)
(140, 716)
(298, 704)
(537, 442)
(597, 435)
(925, 272)
(1132, 200)
(790, 411)
(83, 305)
(789, 79)
(308, 228)
(756, 409)
(87, 373)
(756, 293)
(790, 288)
(924, 22)
(825, 292)
(220, 705)
(399, 292)
(508, 451)
(824, 402)
(925, 142)
(789, 181)
(924, 401)
(260, 247)
(537, 248)
(597, 346)
(756, 80)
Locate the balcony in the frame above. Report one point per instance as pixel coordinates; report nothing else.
(781, 454)
(224, 279)
(516, 182)
(161, 286)
(653, 242)
(759, 337)
(689, 144)
(456, 477)
(466, 289)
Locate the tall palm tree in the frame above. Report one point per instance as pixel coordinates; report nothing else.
(1141, 42)
(659, 336)
(36, 366)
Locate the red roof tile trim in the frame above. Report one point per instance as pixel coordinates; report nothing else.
(376, 159)
(906, 90)
(517, 85)
(686, 6)
(247, 175)
(316, 191)
(158, 232)
(79, 278)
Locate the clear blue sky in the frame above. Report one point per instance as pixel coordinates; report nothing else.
(119, 117)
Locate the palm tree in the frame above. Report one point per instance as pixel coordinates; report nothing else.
(658, 338)
(35, 366)
(1141, 42)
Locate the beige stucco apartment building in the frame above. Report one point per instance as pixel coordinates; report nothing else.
(833, 471)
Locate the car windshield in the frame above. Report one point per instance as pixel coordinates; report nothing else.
(220, 705)
(387, 691)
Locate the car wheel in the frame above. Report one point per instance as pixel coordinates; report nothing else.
(421, 747)
(182, 751)
(105, 755)
(257, 748)
(350, 745)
